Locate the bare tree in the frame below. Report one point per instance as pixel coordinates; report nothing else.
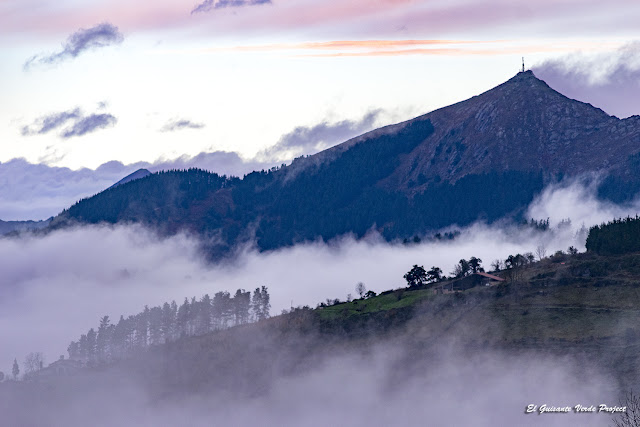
(361, 289)
(630, 418)
(541, 252)
(33, 362)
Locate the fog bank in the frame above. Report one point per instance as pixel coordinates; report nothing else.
(55, 287)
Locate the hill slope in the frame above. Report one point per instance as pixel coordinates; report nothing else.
(573, 321)
(484, 158)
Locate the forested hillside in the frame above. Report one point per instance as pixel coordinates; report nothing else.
(482, 159)
(619, 236)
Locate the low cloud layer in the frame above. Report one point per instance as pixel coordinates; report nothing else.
(390, 385)
(209, 5)
(609, 81)
(83, 40)
(180, 124)
(73, 123)
(576, 199)
(70, 277)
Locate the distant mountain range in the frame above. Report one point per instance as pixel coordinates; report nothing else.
(481, 159)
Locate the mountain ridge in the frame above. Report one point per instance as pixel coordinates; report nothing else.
(480, 159)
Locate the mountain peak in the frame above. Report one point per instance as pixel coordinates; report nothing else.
(140, 173)
(522, 125)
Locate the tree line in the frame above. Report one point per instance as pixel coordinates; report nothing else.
(615, 237)
(167, 323)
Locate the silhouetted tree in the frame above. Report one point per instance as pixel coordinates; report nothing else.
(475, 265)
(434, 275)
(514, 265)
(529, 257)
(417, 276)
(462, 268)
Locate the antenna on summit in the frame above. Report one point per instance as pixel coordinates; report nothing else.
(523, 64)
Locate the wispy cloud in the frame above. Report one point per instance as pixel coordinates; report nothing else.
(99, 36)
(607, 80)
(81, 124)
(180, 124)
(311, 139)
(348, 18)
(208, 5)
(90, 124)
(348, 44)
(50, 122)
(391, 47)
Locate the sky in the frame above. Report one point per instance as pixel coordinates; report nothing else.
(88, 83)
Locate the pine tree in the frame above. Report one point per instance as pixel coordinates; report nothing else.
(119, 339)
(204, 315)
(16, 369)
(142, 329)
(103, 340)
(221, 309)
(74, 351)
(183, 318)
(91, 345)
(169, 321)
(256, 304)
(155, 326)
(265, 307)
(241, 306)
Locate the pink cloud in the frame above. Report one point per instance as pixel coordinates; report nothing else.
(354, 18)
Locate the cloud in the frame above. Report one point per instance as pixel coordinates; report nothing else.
(354, 18)
(50, 122)
(90, 124)
(401, 380)
(38, 191)
(180, 124)
(390, 382)
(131, 266)
(100, 36)
(576, 199)
(208, 5)
(311, 139)
(610, 81)
(81, 126)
